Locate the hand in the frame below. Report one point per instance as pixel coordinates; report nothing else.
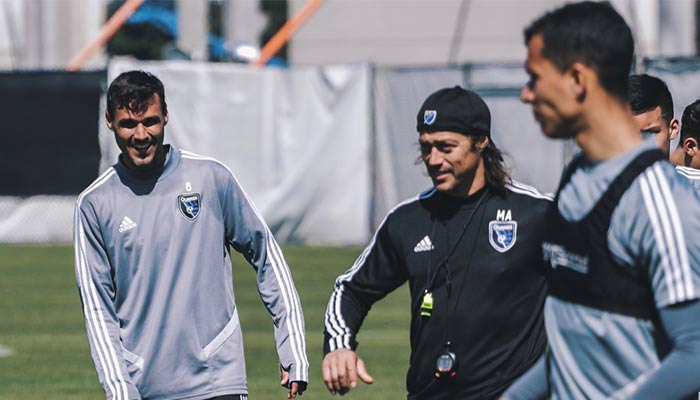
(341, 368)
(295, 388)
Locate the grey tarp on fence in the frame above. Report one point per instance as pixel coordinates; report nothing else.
(325, 152)
(296, 139)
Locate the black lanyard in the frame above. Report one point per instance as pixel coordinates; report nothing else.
(432, 276)
(448, 277)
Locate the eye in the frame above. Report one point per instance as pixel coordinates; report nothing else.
(127, 123)
(445, 147)
(151, 121)
(425, 148)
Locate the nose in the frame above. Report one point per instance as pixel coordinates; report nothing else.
(140, 132)
(526, 95)
(434, 157)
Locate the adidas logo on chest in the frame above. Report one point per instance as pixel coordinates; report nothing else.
(127, 224)
(425, 244)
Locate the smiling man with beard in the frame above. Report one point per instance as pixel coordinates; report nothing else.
(469, 249)
(153, 236)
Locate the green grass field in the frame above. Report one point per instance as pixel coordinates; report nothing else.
(41, 322)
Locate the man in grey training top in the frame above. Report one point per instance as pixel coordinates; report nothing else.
(651, 104)
(153, 236)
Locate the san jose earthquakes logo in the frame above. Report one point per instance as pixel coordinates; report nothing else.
(189, 205)
(429, 117)
(502, 234)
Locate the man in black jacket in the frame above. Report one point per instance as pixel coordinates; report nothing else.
(470, 250)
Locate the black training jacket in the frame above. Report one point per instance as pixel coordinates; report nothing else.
(483, 256)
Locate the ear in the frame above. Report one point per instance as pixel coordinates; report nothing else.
(109, 121)
(579, 78)
(165, 119)
(481, 143)
(673, 128)
(690, 146)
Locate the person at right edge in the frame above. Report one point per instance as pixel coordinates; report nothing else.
(469, 248)
(623, 266)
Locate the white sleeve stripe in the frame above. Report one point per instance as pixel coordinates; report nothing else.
(330, 323)
(522, 188)
(344, 330)
(295, 328)
(87, 304)
(292, 318)
(658, 235)
(96, 323)
(339, 342)
(664, 210)
(342, 341)
(345, 338)
(336, 297)
(667, 233)
(347, 276)
(688, 172)
(101, 327)
(99, 181)
(296, 333)
(335, 321)
(672, 209)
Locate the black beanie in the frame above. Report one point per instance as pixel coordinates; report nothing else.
(454, 110)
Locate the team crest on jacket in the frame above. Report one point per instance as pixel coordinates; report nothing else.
(502, 234)
(189, 205)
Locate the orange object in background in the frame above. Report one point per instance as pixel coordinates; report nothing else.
(286, 31)
(108, 30)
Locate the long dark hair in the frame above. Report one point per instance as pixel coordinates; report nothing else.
(494, 165)
(495, 170)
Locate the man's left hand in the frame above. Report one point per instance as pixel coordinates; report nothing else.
(295, 387)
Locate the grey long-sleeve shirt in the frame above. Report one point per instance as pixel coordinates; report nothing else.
(154, 275)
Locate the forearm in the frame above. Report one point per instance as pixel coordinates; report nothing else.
(344, 316)
(282, 301)
(248, 234)
(279, 295)
(678, 375)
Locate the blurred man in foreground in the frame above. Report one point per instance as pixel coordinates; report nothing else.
(622, 314)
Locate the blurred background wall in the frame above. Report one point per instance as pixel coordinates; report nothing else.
(45, 34)
(323, 138)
